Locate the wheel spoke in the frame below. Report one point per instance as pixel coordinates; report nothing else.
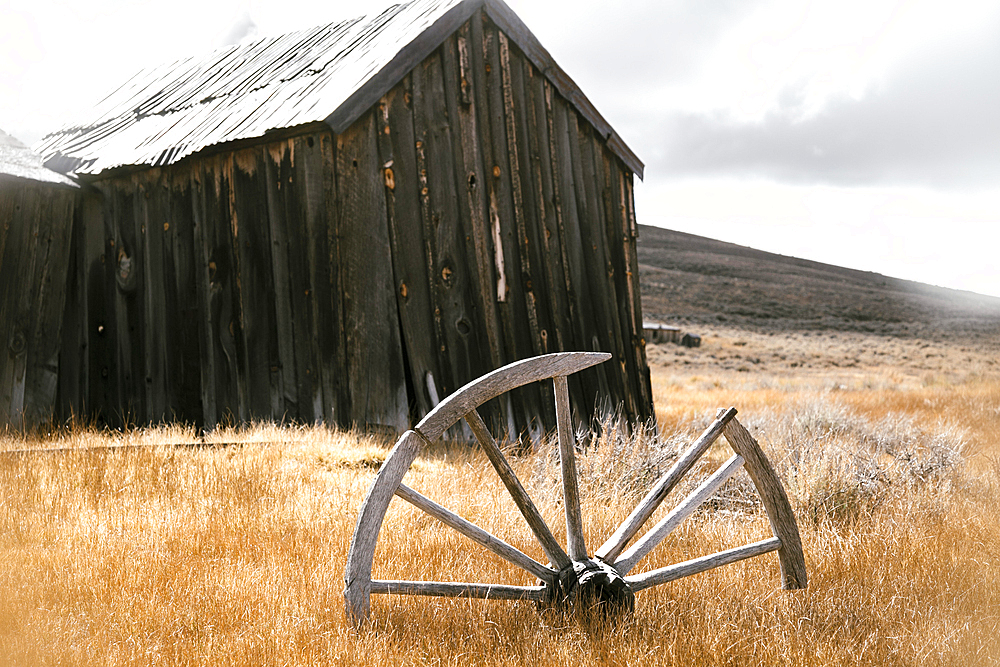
(610, 550)
(477, 534)
(567, 457)
(553, 551)
(677, 515)
(696, 565)
(448, 589)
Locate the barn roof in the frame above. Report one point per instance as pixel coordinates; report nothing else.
(333, 74)
(18, 161)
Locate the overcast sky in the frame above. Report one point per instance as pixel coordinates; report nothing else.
(860, 133)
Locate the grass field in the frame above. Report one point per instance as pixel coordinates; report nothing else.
(166, 556)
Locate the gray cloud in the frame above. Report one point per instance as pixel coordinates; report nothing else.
(934, 121)
(647, 41)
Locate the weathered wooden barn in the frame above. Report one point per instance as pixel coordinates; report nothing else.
(346, 224)
(36, 219)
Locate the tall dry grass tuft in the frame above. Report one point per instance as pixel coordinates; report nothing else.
(158, 555)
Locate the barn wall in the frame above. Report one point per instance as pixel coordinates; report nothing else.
(513, 230)
(36, 222)
(470, 219)
(228, 288)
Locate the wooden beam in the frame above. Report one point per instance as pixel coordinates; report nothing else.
(779, 512)
(531, 514)
(610, 550)
(360, 555)
(477, 534)
(696, 565)
(449, 589)
(502, 380)
(567, 457)
(677, 515)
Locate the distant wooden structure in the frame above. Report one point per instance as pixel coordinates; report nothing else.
(347, 224)
(691, 340)
(654, 332)
(36, 218)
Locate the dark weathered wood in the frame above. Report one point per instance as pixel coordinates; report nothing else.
(779, 512)
(153, 210)
(422, 121)
(615, 544)
(513, 307)
(593, 269)
(663, 575)
(374, 350)
(490, 180)
(212, 268)
(49, 298)
(128, 267)
(288, 379)
(184, 324)
(72, 378)
(541, 163)
(226, 333)
(17, 263)
(531, 514)
(204, 275)
(517, 194)
(397, 155)
(35, 224)
(459, 590)
(527, 156)
(292, 194)
(308, 168)
(629, 230)
(461, 353)
(586, 334)
(252, 240)
(503, 415)
(501, 14)
(333, 339)
(477, 534)
(575, 543)
(686, 508)
(99, 399)
(621, 242)
(601, 269)
(471, 174)
(168, 307)
(479, 339)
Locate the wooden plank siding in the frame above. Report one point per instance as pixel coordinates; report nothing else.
(472, 217)
(36, 229)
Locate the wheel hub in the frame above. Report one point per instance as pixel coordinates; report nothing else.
(593, 585)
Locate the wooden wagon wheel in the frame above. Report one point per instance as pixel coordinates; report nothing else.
(571, 576)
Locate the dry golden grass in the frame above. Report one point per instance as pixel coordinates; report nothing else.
(156, 555)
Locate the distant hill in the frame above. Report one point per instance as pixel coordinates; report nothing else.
(688, 278)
